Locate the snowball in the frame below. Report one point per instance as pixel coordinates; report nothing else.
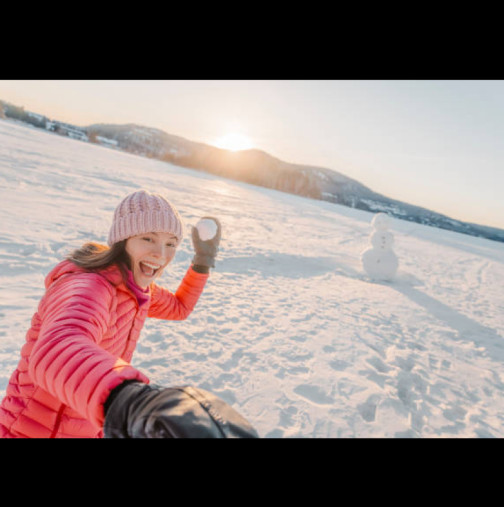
(380, 264)
(207, 228)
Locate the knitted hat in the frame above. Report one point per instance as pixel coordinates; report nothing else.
(142, 212)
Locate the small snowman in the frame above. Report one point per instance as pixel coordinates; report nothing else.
(379, 261)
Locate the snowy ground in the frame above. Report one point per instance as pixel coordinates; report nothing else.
(290, 330)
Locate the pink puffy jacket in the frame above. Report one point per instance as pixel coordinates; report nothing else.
(79, 348)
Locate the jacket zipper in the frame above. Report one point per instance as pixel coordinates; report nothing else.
(58, 421)
(129, 337)
(130, 292)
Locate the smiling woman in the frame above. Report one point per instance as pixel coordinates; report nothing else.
(234, 141)
(149, 254)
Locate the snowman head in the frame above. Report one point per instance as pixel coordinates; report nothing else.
(381, 221)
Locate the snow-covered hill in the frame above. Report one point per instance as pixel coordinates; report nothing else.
(250, 166)
(261, 169)
(290, 330)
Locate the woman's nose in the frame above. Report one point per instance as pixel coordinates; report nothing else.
(159, 250)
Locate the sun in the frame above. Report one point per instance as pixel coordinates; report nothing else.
(234, 141)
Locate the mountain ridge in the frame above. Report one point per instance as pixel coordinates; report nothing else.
(258, 167)
(251, 166)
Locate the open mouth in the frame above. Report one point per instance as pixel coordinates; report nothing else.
(148, 269)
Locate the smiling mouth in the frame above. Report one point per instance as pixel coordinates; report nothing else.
(148, 269)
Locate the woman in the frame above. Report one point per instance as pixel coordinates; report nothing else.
(74, 378)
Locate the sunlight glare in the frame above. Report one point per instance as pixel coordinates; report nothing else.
(234, 141)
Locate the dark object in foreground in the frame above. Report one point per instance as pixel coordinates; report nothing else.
(137, 410)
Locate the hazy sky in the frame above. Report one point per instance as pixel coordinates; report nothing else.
(437, 144)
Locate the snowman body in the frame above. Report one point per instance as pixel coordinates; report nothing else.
(379, 260)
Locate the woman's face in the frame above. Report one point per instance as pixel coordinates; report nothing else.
(149, 254)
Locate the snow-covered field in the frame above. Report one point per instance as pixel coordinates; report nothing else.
(290, 330)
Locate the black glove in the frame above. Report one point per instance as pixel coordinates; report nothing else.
(206, 250)
(138, 410)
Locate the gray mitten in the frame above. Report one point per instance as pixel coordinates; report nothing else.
(206, 251)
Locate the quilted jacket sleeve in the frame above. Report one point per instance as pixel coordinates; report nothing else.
(66, 359)
(165, 305)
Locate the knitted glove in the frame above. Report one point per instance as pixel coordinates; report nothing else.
(206, 250)
(138, 410)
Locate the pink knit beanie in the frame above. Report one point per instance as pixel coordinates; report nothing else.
(142, 212)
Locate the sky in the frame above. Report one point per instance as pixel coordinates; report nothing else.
(433, 143)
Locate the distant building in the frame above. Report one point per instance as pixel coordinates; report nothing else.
(68, 130)
(77, 134)
(38, 117)
(112, 143)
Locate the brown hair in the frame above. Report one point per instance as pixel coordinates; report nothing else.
(95, 256)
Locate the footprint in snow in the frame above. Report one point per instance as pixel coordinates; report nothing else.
(313, 394)
(367, 410)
